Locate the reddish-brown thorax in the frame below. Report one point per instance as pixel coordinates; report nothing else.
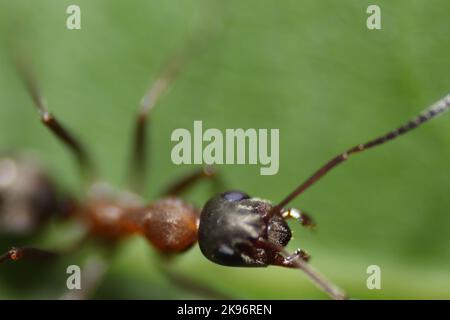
(170, 224)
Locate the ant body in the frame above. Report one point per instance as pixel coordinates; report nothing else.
(232, 229)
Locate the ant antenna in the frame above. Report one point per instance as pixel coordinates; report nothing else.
(84, 161)
(431, 112)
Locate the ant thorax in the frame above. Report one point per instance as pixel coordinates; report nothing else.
(170, 223)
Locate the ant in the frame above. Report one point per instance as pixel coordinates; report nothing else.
(233, 228)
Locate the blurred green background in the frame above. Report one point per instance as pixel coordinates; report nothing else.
(310, 68)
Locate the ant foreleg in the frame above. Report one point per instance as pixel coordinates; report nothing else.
(190, 180)
(15, 254)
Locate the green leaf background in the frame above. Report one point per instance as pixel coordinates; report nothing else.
(311, 69)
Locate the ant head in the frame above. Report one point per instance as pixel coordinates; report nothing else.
(28, 196)
(237, 230)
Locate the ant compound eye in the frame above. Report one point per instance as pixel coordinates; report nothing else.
(235, 196)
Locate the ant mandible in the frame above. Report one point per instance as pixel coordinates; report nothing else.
(232, 229)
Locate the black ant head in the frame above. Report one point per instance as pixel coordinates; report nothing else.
(27, 196)
(237, 230)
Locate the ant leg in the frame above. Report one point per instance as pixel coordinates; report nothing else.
(161, 85)
(190, 180)
(15, 254)
(50, 121)
(20, 253)
(304, 218)
(172, 68)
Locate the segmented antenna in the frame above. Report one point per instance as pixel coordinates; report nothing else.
(431, 112)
